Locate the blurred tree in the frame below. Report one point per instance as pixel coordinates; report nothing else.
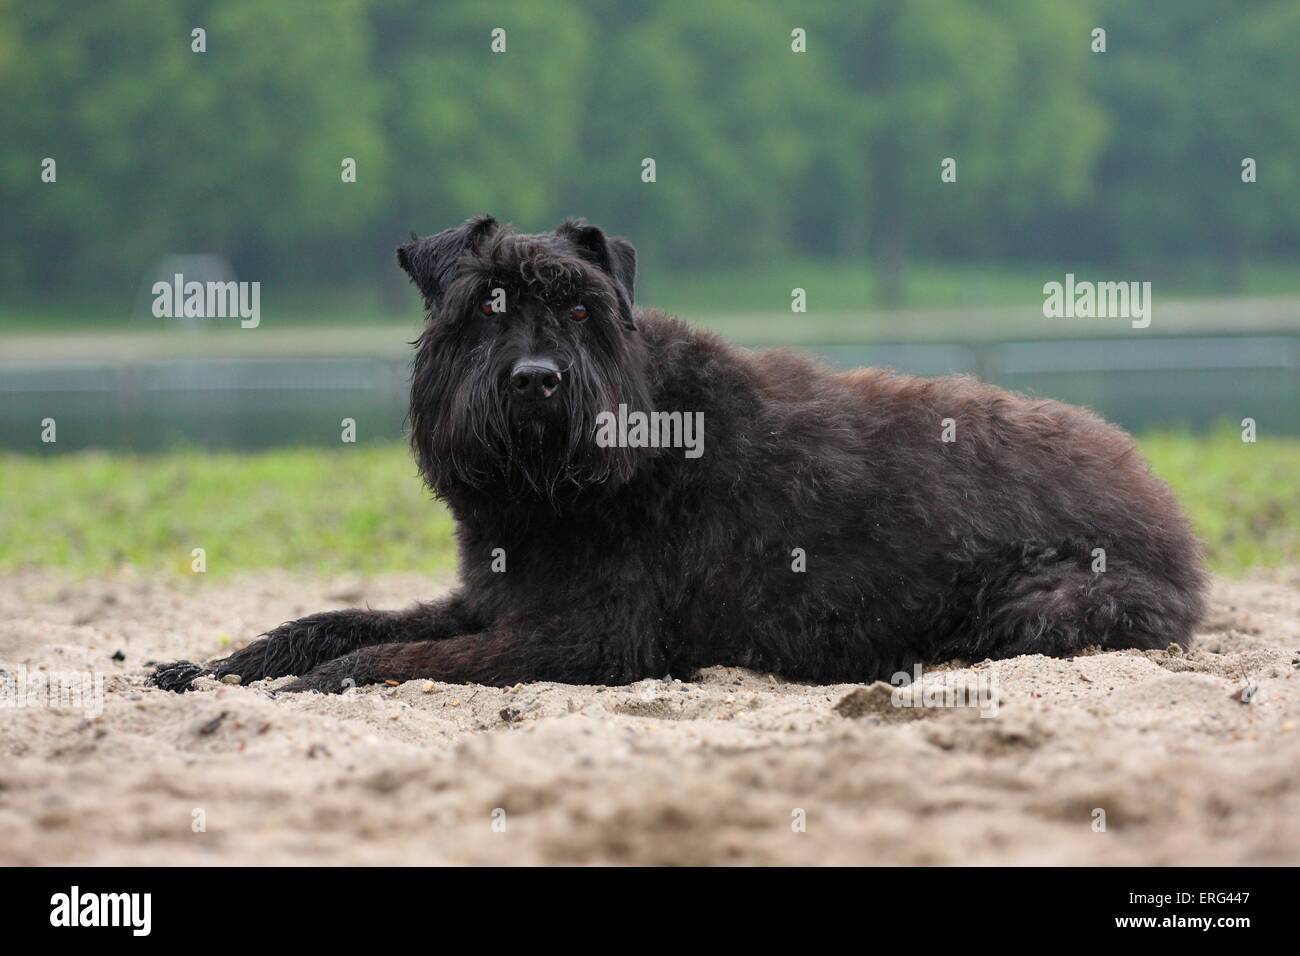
(86, 93)
(996, 86)
(715, 96)
(1194, 87)
(762, 153)
(473, 130)
(161, 149)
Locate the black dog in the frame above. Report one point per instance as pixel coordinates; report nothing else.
(836, 527)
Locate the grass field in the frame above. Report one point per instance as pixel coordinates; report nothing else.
(835, 290)
(364, 509)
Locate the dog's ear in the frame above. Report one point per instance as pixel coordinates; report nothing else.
(613, 254)
(431, 261)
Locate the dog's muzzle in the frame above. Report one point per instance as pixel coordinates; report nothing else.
(535, 379)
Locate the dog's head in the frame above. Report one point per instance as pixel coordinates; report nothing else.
(527, 339)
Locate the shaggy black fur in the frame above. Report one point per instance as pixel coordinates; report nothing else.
(627, 563)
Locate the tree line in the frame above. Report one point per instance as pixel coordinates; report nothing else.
(969, 130)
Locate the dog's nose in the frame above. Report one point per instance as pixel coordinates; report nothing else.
(535, 378)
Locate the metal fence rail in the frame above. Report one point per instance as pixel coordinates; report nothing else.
(1188, 382)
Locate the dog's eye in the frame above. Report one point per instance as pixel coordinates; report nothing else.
(486, 306)
(578, 313)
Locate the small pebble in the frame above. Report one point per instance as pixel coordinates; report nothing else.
(232, 679)
(211, 726)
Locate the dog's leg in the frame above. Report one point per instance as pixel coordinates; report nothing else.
(296, 647)
(498, 658)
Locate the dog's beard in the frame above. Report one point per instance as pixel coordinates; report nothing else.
(471, 434)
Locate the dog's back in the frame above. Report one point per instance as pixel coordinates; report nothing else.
(872, 519)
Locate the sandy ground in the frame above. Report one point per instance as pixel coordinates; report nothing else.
(734, 768)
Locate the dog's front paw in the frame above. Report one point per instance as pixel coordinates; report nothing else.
(176, 676)
(332, 677)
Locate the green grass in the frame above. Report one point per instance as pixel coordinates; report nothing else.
(1244, 499)
(846, 286)
(364, 510)
(835, 289)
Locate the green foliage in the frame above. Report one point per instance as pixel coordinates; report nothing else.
(1131, 156)
(364, 509)
(474, 130)
(163, 150)
(713, 94)
(1193, 91)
